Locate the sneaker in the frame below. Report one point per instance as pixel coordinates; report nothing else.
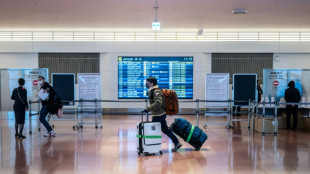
(16, 135)
(50, 134)
(176, 147)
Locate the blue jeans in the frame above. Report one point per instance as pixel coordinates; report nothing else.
(165, 129)
(43, 114)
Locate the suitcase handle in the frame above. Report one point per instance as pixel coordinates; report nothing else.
(147, 116)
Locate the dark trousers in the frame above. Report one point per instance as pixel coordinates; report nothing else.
(238, 110)
(289, 110)
(165, 129)
(43, 114)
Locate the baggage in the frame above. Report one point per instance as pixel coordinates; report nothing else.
(148, 137)
(189, 133)
(171, 101)
(54, 105)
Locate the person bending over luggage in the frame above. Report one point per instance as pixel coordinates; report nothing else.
(292, 95)
(157, 107)
(20, 107)
(47, 88)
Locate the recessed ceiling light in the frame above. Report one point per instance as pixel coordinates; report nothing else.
(240, 11)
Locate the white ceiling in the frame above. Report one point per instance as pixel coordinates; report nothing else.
(139, 14)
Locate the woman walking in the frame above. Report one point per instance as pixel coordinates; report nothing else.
(20, 107)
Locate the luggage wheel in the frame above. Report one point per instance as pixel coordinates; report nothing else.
(139, 153)
(229, 126)
(160, 152)
(205, 126)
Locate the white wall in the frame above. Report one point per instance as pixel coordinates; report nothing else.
(25, 55)
(19, 60)
(291, 61)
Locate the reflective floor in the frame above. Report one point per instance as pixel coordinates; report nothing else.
(113, 150)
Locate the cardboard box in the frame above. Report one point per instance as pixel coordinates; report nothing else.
(281, 122)
(253, 126)
(306, 123)
(269, 126)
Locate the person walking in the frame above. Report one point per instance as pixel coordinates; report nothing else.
(157, 107)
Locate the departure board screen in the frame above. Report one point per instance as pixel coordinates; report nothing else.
(174, 73)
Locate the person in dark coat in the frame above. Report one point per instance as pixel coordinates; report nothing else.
(47, 88)
(259, 91)
(292, 95)
(20, 106)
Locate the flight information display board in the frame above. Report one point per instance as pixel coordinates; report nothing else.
(171, 72)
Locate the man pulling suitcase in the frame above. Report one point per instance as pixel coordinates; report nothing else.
(157, 108)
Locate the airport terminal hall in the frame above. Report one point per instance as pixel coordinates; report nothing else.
(155, 87)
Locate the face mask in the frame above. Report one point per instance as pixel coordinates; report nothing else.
(147, 85)
(40, 82)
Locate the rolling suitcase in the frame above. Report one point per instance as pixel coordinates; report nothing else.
(189, 133)
(148, 137)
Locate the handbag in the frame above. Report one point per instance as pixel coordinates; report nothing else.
(59, 113)
(20, 97)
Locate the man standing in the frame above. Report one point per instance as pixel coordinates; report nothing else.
(47, 88)
(157, 107)
(292, 95)
(259, 91)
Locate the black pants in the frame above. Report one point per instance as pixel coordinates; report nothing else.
(289, 110)
(238, 110)
(165, 129)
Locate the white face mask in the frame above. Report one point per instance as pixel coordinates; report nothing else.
(40, 82)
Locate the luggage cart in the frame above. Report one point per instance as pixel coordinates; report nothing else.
(218, 111)
(83, 109)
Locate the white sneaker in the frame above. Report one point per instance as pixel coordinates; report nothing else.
(50, 134)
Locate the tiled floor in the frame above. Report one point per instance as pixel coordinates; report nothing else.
(113, 150)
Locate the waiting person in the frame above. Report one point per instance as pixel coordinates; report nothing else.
(20, 107)
(157, 107)
(259, 91)
(47, 88)
(292, 95)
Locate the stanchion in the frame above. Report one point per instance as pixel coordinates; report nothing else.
(81, 123)
(30, 123)
(249, 109)
(276, 118)
(197, 112)
(263, 132)
(96, 121)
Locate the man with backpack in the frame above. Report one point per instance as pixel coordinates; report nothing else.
(47, 88)
(157, 107)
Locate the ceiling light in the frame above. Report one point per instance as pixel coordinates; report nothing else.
(156, 23)
(240, 11)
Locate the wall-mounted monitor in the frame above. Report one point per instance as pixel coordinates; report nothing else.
(171, 72)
